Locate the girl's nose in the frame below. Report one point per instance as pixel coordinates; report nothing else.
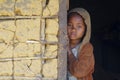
(73, 28)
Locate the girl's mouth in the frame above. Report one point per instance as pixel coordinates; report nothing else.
(72, 34)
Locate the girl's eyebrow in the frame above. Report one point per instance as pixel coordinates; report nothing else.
(80, 23)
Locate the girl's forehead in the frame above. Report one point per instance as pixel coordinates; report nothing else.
(75, 17)
(74, 14)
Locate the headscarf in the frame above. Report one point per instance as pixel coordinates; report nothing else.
(86, 17)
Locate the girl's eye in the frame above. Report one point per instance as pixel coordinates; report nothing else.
(79, 26)
(69, 25)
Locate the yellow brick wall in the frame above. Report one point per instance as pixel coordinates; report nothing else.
(28, 39)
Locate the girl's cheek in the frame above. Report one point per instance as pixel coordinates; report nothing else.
(69, 32)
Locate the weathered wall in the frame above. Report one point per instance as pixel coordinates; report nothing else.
(28, 39)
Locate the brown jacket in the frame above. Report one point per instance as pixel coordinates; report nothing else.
(83, 66)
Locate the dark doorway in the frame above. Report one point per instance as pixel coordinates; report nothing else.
(105, 17)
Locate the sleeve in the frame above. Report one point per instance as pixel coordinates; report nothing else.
(84, 64)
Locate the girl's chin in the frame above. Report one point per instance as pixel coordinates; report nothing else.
(73, 38)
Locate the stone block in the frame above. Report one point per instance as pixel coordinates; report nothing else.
(7, 7)
(27, 68)
(51, 51)
(6, 51)
(8, 25)
(50, 69)
(52, 26)
(27, 50)
(3, 46)
(51, 38)
(28, 7)
(28, 30)
(6, 36)
(6, 78)
(6, 68)
(52, 8)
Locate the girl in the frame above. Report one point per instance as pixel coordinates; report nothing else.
(80, 52)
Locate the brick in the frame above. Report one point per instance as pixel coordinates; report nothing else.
(28, 30)
(27, 68)
(8, 25)
(52, 8)
(6, 68)
(22, 50)
(6, 51)
(46, 12)
(7, 7)
(50, 69)
(3, 46)
(26, 50)
(31, 7)
(51, 38)
(6, 78)
(6, 36)
(51, 51)
(24, 78)
(52, 26)
(37, 49)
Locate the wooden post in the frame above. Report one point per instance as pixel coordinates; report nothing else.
(67, 4)
(63, 41)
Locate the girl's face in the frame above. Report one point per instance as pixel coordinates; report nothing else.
(75, 27)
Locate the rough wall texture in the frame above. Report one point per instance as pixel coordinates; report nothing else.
(28, 39)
